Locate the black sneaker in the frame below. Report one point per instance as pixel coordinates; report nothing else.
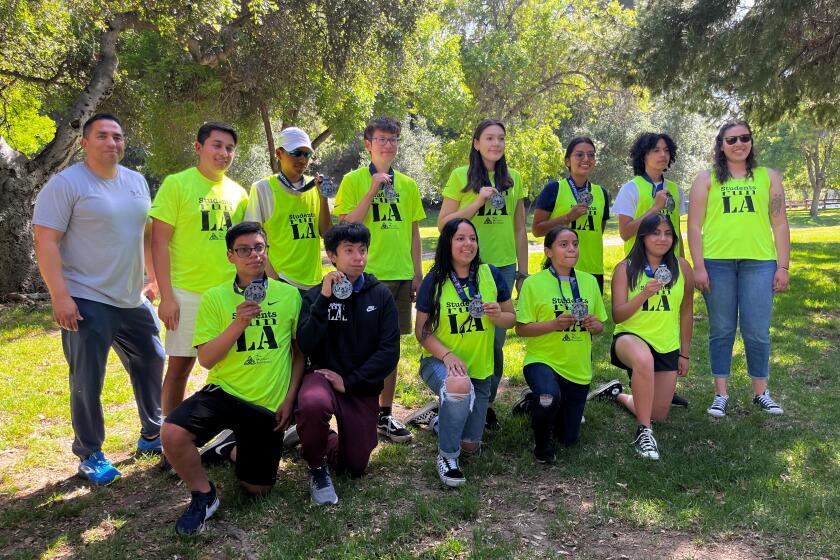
(767, 404)
(491, 421)
(522, 407)
(218, 449)
(423, 416)
(677, 400)
(545, 454)
(201, 508)
(392, 429)
(449, 472)
(645, 443)
(608, 391)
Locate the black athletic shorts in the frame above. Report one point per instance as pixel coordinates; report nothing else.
(661, 362)
(258, 446)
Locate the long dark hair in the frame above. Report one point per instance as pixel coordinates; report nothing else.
(646, 142)
(443, 266)
(637, 259)
(477, 175)
(551, 237)
(721, 169)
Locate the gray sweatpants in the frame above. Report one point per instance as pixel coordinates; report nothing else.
(134, 334)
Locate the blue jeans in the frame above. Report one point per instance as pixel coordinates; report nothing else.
(557, 405)
(459, 419)
(740, 288)
(508, 272)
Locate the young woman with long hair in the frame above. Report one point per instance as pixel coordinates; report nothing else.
(653, 310)
(739, 238)
(559, 310)
(490, 194)
(579, 204)
(459, 303)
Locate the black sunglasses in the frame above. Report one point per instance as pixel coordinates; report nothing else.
(744, 138)
(299, 153)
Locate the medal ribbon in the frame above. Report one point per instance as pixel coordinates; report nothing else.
(289, 185)
(577, 190)
(572, 281)
(372, 169)
(241, 292)
(460, 287)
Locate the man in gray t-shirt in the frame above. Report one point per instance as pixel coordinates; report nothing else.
(89, 226)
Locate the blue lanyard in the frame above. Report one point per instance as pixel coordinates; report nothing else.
(289, 185)
(572, 281)
(372, 169)
(654, 187)
(460, 287)
(577, 190)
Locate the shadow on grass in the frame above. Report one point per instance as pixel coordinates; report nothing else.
(18, 321)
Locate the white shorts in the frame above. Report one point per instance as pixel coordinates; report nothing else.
(179, 341)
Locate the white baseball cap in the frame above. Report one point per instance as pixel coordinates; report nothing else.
(293, 138)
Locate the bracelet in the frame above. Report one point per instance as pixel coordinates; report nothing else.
(783, 267)
(445, 355)
(686, 357)
(521, 275)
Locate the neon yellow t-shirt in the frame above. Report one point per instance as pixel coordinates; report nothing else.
(201, 211)
(646, 201)
(293, 233)
(567, 352)
(657, 322)
(468, 338)
(390, 223)
(588, 227)
(258, 367)
(737, 222)
(496, 236)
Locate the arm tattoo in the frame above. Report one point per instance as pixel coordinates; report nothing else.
(777, 204)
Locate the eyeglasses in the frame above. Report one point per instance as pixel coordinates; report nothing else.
(244, 251)
(300, 153)
(744, 138)
(583, 155)
(381, 141)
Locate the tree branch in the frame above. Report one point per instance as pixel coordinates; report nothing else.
(269, 137)
(212, 55)
(321, 138)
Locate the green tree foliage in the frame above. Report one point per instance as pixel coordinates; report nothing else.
(767, 59)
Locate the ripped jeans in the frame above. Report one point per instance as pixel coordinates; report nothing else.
(460, 417)
(557, 405)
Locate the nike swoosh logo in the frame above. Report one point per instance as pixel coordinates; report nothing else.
(272, 302)
(219, 448)
(371, 308)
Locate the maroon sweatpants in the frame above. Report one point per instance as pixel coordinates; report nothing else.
(356, 416)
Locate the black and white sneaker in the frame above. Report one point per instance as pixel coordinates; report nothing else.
(608, 391)
(718, 408)
(491, 421)
(645, 443)
(321, 488)
(545, 454)
(392, 429)
(767, 404)
(201, 508)
(449, 473)
(423, 416)
(522, 407)
(218, 449)
(679, 401)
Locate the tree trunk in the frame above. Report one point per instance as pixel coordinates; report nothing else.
(269, 138)
(21, 178)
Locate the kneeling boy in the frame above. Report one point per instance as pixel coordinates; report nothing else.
(244, 335)
(348, 329)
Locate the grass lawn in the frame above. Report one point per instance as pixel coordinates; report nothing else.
(747, 486)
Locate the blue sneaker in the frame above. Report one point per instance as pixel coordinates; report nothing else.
(98, 469)
(201, 507)
(149, 446)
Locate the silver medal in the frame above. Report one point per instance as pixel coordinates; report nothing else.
(476, 307)
(585, 197)
(255, 291)
(670, 203)
(390, 192)
(662, 274)
(497, 201)
(580, 309)
(327, 187)
(342, 289)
